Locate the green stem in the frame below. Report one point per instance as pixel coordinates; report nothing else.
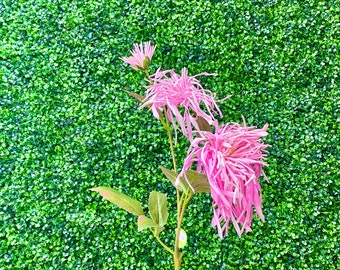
(184, 201)
(176, 254)
(147, 74)
(171, 144)
(162, 243)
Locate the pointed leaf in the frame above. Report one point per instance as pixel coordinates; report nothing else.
(145, 223)
(136, 96)
(198, 181)
(158, 208)
(121, 200)
(142, 99)
(172, 176)
(203, 124)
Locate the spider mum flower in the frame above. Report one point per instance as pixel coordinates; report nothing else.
(141, 56)
(232, 159)
(172, 92)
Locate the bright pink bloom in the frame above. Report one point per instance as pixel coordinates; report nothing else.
(173, 91)
(141, 56)
(232, 159)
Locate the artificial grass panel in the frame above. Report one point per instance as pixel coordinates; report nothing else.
(66, 125)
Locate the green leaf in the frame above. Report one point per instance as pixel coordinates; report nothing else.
(121, 200)
(140, 98)
(172, 176)
(158, 208)
(198, 181)
(203, 124)
(145, 223)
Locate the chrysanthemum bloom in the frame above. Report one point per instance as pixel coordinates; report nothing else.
(172, 92)
(232, 159)
(141, 56)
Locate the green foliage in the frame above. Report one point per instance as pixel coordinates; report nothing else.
(158, 208)
(198, 182)
(121, 200)
(144, 223)
(68, 125)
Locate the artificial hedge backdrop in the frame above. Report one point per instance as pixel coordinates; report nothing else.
(66, 125)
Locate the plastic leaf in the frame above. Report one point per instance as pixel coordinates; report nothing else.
(121, 200)
(136, 96)
(172, 176)
(142, 99)
(198, 181)
(203, 124)
(158, 208)
(145, 223)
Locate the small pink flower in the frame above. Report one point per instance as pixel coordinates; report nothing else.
(141, 56)
(232, 159)
(173, 92)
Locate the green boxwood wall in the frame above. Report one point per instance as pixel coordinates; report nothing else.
(67, 125)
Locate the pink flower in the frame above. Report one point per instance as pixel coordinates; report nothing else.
(173, 91)
(141, 56)
(232, 159)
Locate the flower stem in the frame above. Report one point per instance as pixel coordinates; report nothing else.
(162, 243)
(147, 73)
(184, 201)
(171, 143)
